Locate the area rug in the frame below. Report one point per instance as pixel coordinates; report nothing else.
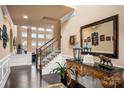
(57, 85)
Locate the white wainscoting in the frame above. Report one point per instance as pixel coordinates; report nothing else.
(4, 70)
(12, 60)
(20, 59)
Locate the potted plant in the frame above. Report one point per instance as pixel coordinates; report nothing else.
(19, 47)
(61, 71)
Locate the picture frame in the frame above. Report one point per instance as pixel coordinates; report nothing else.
(72, 40)
(108, 38)
(95, 40)
(5, 36)
(102, 37)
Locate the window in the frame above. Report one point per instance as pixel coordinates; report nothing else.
(33, 43)
(33, 35)
(24, 43)
(40, 35)
(33, 28)
(24, 34)
(49, 36)
(25, 27)
(49, 30)
(41, 43)
(41, 29)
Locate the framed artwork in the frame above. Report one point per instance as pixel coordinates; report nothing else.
(72, 40)
(108, 38)
(4, 36)
(102, 37)
(95, 40)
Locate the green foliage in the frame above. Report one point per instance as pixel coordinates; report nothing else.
(59, 70)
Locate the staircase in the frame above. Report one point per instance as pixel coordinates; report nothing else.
(50, 57)
(47, 53)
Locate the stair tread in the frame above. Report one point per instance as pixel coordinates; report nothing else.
(53, 54)
(46, 59)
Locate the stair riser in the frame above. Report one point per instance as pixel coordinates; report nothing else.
(50, 57)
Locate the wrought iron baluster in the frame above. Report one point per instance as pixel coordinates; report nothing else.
(40, 62)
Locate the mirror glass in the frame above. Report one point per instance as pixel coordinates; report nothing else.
(100, 37)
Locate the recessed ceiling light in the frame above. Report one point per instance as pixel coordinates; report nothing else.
(25, 17)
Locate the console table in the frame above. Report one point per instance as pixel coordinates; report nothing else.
(108, 79)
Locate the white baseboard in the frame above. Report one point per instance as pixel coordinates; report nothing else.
(5, 79)
(5, 70)
(20, 59)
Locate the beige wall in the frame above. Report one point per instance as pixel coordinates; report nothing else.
(88, 14)
(57, 34)
(29, 40)
(18, 36)
(4, 51)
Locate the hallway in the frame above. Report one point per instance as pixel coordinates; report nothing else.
(23, 77)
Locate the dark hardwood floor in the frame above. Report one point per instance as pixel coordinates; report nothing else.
(23, 77)
(29, 77)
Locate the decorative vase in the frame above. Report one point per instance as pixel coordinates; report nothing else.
(63, 79)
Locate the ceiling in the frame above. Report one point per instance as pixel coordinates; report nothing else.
(36, 13)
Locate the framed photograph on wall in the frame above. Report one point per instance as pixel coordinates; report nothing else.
(108, 38)
(95, 40)
(72, 40)
(102, 37)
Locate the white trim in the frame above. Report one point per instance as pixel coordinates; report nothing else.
(67, 16)
(3, 59)
(67, 56)
(4, 63)
(103, 52)
(6, 13)
(2, 84)
(72, 6)
(20, 59)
